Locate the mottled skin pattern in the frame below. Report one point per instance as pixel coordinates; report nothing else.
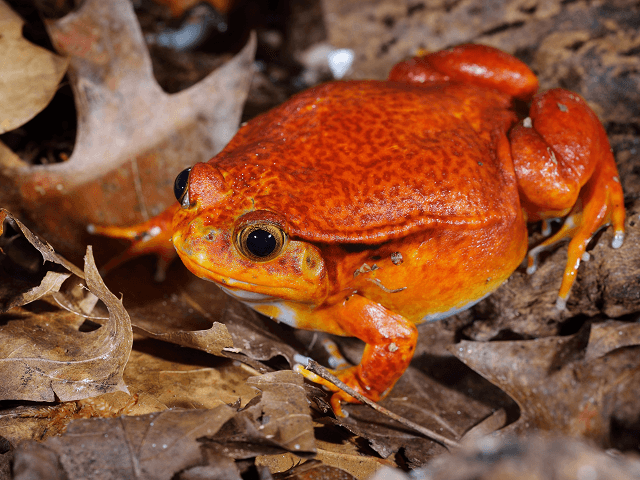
(400, 201)
(382, 160)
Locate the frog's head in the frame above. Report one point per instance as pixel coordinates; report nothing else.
(221, 237)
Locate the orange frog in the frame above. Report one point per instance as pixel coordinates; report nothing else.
(362, 208)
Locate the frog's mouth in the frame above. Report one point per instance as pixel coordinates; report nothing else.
(239, 289)
(246, 295)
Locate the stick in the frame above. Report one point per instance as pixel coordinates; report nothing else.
(319, 370)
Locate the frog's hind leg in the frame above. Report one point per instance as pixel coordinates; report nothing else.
(471, 64)
(564, 166)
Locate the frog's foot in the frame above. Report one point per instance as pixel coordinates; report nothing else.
(341, 368)
(600, 204)
(471, 64)
(566, 232)
(348, 376)
(151, 237)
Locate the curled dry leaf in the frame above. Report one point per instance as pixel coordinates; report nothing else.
(187, 317)
(44, 358)
(30, 74)
(132, 137)
(46, 251)
(256, 336)
(51, 282)
(22, 289)
(557, 387)
(155, 446)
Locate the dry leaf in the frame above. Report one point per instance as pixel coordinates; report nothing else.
(30, 74)
(34, 461)
(345, 459)
(183, 310)
(285, 410)
(21, 265)
(314, 471)
(217, 468)
(279, 421)
(178, 377)
(132, 138)
(532, 457)
(259, 337)
(158, 375)
(155, 446)
(47, 359)
(611, 335)
(212, 340)
(49, 284)
(556, 386)
(36, 422)
(46, 251)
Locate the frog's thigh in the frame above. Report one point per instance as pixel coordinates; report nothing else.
(390, 341)
(472, 64)
(555, 152)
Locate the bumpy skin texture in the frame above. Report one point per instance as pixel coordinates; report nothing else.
(399, 201)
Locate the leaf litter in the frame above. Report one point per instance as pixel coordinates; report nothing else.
(558, 382)
(159, 445)
(542, 375)
(47, 360)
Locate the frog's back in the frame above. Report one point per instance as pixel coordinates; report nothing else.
(370, 161)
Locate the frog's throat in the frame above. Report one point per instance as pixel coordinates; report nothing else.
(245, 295)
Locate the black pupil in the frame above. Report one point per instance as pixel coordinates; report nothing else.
(181, 183)
(261, 243)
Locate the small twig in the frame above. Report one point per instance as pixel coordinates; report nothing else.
(319, 370)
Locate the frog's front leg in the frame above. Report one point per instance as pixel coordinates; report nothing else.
(564, 166)
(151, 237)
(390, 342)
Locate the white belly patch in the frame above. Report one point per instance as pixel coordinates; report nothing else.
(432, 317)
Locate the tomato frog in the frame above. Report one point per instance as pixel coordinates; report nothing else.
(362, 208)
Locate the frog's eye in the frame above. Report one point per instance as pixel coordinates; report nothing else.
(181, 187)
(261, 241)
